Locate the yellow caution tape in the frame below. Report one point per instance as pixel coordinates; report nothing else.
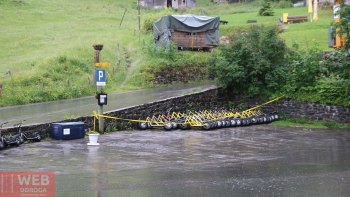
(192, 118)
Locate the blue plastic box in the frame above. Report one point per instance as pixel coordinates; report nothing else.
(67, 130)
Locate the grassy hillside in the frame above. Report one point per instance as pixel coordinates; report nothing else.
(37, 30)
(47, 45)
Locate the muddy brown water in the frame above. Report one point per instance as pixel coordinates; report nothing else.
(259, 160)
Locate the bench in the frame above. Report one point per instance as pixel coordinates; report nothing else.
(251, 21)
(296, 19)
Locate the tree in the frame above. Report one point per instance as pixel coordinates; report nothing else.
(253, 64)
(266, 10)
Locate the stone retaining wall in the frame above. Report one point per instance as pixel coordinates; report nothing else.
(314, 111)
(204, 100)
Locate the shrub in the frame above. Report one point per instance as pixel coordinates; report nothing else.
(312, 79)
(303, 70)
(148, 23)
(333, 89)
(253, 64)
(266, 9)
(338, 62)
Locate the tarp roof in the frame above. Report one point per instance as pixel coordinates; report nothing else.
(186, 23)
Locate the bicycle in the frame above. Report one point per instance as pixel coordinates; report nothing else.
(8, 140)
(24, 136)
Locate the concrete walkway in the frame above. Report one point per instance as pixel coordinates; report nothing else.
(73, 108)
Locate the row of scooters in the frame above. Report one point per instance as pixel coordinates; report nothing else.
(198, 121)
(18, 138)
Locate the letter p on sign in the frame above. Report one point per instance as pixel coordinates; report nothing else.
(100, 77)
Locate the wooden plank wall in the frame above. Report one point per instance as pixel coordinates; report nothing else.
(189, 40)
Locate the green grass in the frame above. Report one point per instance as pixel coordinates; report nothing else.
(40, 29)
(306, 35)
(35, 34)
(307, 123)
(37, 30)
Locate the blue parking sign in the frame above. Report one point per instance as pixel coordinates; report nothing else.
(100, 77)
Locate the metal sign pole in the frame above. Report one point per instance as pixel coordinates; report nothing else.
(98, 48)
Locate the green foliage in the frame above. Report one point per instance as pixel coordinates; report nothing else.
(333, 89)
(92, 132)
(338, 63)
(153, 16)
(311, 78)
(253, 64)
(266, 9)
(171, 62)
(303, 70)
(334, 85)
(148, 23)
(169, 54)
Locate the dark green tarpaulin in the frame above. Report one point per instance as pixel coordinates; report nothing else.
(164, 27)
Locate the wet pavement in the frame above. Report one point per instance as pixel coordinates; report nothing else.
(73, 108)
(260, 160)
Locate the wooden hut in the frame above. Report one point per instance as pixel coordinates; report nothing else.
(187, 31)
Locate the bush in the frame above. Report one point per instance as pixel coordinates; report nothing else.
(253, 64)
(333, 89)
(148, 23)
(266, 9)
(311, 78)
(303, 70)
(338, 62)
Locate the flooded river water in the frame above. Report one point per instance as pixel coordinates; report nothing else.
(259, 160)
